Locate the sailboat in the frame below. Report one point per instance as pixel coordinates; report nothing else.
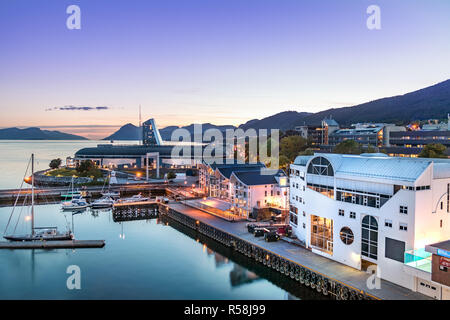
(76, 203)
(109, 193)
(37, 233)
(71, 193)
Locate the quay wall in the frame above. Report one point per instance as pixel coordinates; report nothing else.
(306, 276)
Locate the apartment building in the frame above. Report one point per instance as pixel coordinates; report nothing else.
(373, 210)
(373, 134)
(248, 187)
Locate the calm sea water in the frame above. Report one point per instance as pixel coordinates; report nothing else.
(146, 259)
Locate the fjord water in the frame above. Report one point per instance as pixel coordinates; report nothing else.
(146, 259)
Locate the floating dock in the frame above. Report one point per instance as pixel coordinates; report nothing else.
(300, 264)
(67, 244)
(135, 204)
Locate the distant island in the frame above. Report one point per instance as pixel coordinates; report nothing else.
(429, 103)
(36, 134)
(132, 132)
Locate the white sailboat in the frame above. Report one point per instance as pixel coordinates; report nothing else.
(37, 233)
(109, 193)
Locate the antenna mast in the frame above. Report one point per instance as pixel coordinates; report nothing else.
(32, 194)
(140, 122)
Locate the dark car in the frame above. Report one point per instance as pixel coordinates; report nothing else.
(259, 232)
(251, 228)
(271, 236)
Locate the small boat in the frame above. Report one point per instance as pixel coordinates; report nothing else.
(75, 204)
(71, 195)
(111, 194)
(43, 234)
(37, 233)
(136, 198)
(104, 202)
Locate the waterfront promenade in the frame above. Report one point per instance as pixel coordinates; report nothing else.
(338, 272)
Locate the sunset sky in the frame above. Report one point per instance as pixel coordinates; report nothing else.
(218, 61)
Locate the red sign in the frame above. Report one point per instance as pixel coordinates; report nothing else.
(444, 262)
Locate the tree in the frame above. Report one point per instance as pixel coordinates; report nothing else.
(433, 150)
(283, 162)
(348, 147)
(55, 163)
(291, 146)
(307, 152)
(171, 175)
(86, 166)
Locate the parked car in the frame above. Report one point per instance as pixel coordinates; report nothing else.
(271, 236)
(259, 232)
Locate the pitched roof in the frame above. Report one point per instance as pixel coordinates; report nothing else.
(253, 178)
(234, 164)
(227, 171)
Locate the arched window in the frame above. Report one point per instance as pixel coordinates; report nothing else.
(346, 235)
(320, 166)
(369, 237)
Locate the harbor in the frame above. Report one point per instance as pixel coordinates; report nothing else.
(318, 273)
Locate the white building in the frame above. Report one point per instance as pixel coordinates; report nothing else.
(252, 190)
(373, 210)
(248, 187)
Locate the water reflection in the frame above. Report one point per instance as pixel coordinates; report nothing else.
(246, 271)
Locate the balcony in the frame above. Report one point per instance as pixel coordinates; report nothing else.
(418, 259)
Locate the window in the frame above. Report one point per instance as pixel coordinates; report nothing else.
(341, 212)
(304, 226)
(404, 209)
(322, 233)
(320, 166)
(265, 193)
(369, 237)
(293, 218)
(388, 223)
(346, 235)
(395, 249)
(403, 226)
(352, 215)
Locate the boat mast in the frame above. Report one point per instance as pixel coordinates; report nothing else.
(32, 194)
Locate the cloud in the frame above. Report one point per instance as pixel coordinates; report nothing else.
(75, 108)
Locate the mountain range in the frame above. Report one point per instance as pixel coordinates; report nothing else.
(36, 134)
(429, 103)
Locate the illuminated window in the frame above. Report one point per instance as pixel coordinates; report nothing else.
(346, 235)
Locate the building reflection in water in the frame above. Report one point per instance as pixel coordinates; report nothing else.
(238, 275)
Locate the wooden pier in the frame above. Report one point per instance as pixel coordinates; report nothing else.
(326, 276)
(67, 244)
